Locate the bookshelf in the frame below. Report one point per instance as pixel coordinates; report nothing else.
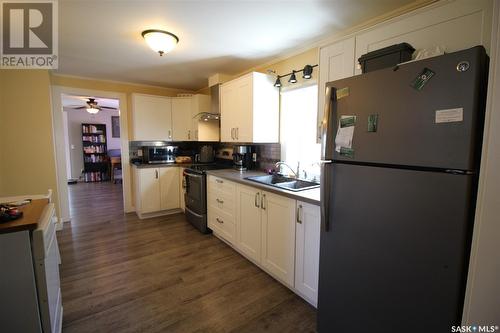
(95, 159)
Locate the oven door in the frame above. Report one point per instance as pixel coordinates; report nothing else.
(195, 197)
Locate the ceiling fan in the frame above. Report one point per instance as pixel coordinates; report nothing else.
(92, 106)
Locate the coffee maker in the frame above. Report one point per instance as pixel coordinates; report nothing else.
(242, 158)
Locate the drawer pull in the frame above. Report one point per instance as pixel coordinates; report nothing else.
(219, 220)
(219, 181)
(219, 201)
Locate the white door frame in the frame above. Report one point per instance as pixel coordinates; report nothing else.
(60, 151)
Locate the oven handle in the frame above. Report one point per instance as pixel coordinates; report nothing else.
(192, 175)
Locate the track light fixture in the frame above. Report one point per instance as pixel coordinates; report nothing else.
(278, 82)
(306, 74)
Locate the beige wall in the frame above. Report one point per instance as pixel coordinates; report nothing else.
(27, 164)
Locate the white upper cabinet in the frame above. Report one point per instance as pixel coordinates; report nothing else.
(336, 61)
(151, 117)
(250, 109)
(455, 25)
(182, 119)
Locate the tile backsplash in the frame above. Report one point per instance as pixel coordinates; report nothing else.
(267, 153)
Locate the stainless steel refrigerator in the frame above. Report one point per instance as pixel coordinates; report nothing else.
(401, 150)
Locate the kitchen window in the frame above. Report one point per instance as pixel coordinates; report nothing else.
(298, 123)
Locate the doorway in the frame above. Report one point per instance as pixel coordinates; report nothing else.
(86, 143)
(91, 127)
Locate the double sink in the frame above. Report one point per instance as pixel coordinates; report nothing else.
(283, 182)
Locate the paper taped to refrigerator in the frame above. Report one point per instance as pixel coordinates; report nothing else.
(449, 115)
(345, 132)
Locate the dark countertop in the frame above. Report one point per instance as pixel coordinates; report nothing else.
(31, 216)
(161, 165)
(311, 196)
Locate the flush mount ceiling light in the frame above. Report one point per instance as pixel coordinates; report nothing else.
(160, 41)
(92, 110)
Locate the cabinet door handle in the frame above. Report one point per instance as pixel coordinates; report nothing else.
(219, 181)
(237, 130)
(299, 212)
(189, 134)
(156, 174)
(233, 133)
(169, 134)
(257, 199)
(219, 220)
(263, 199)
(219, 201)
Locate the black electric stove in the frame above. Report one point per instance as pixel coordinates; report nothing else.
(195, 179)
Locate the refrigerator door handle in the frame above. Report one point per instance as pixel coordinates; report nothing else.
(327, 124)
(326, 187)
(327, 142)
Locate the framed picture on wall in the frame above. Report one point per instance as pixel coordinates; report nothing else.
(115, 126)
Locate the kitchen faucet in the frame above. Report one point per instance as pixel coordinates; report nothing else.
(295, 173)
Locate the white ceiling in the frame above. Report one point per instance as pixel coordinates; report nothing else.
(102, 39)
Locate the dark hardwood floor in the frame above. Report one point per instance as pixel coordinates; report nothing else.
(122, 274)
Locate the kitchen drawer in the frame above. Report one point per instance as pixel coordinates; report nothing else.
(222, 223)
(222, 201)
(216, 183)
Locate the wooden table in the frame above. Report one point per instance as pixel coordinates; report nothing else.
(30, 218)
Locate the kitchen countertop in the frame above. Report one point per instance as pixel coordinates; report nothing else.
(31, 215)
(311, 196)
(161, 165)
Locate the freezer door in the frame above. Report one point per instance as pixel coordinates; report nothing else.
(395, 257)
(438, 126)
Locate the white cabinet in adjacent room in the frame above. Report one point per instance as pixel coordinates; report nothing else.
(182, 119)
(151, 118)
(307, 240)
(250, 109)
(278, 236)
(249, 221)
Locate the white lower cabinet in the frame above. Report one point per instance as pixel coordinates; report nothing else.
(307, 238)
(156, 191)
(249, 221)
(278, 236)
(169, 188)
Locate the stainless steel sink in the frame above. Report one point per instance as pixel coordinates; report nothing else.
(283, 182)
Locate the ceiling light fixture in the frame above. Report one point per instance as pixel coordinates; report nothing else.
(293, 78)
(160, 41)
(307, 72)
(92, 110)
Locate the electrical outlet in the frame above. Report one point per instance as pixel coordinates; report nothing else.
(254, 157)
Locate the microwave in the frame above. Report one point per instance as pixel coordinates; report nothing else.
(163, 154)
